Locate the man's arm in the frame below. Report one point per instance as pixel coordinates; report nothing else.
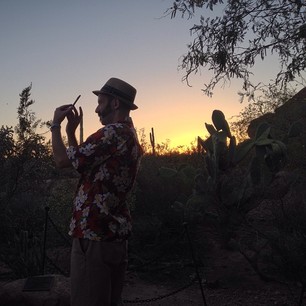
(72, 141)
(59, 150)
(58, 146)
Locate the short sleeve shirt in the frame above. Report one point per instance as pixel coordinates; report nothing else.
(108, 162)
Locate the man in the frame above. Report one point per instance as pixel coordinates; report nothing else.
(101, 223)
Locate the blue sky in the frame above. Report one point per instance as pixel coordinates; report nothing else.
(71, 47)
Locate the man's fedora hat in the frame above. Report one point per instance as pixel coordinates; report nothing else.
(118, 88)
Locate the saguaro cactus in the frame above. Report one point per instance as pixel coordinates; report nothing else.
(152, 140)
(81, 131)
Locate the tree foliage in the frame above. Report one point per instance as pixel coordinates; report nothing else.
(29, 142)
(25, 162)
(7, 146)
(229, 44)
(26, 169)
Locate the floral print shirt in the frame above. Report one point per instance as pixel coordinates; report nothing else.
(108, 162)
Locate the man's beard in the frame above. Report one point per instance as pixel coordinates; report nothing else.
(106, 112)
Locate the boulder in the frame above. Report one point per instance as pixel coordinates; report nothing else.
(294, 110)
(291, 111)
(40, 292)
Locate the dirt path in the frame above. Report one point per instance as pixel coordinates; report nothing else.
(231, 284)
(247, 294)
(140, 292)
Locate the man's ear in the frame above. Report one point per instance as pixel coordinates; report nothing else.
(116, 103)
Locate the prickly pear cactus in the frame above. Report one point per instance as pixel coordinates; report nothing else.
(222, 153)
(220, 146)
(235, 188)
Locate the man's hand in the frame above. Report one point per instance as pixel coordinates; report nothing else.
(61, 112)
(74, 118)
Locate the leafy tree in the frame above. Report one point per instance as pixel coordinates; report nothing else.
(32, 156)
(7, 143)
(26, 166)
(29, 141)
(25, 162)
(229, 44)
(7, 149)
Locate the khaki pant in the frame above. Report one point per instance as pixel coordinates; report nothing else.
(97, 272)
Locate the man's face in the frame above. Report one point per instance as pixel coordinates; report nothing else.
(105, 109)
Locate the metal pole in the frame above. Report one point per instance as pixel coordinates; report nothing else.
(194, 261)
(47, 208)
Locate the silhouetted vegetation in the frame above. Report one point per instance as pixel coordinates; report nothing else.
(240, 197)
(230, 37)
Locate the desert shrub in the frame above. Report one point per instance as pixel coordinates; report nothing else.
(60, 203)
(279, 225)
(162, 181)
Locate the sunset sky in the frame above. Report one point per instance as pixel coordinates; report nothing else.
(71, 47)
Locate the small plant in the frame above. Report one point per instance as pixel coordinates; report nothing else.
(23, 254)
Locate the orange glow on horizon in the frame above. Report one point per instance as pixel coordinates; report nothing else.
(178, 124)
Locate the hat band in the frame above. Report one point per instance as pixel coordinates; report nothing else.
(117, 92)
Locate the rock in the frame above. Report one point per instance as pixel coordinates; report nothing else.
(293, 110)
(13, 294)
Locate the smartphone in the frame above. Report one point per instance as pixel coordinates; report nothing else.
(76, 100)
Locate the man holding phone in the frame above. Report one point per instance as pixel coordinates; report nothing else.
(108, 162)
